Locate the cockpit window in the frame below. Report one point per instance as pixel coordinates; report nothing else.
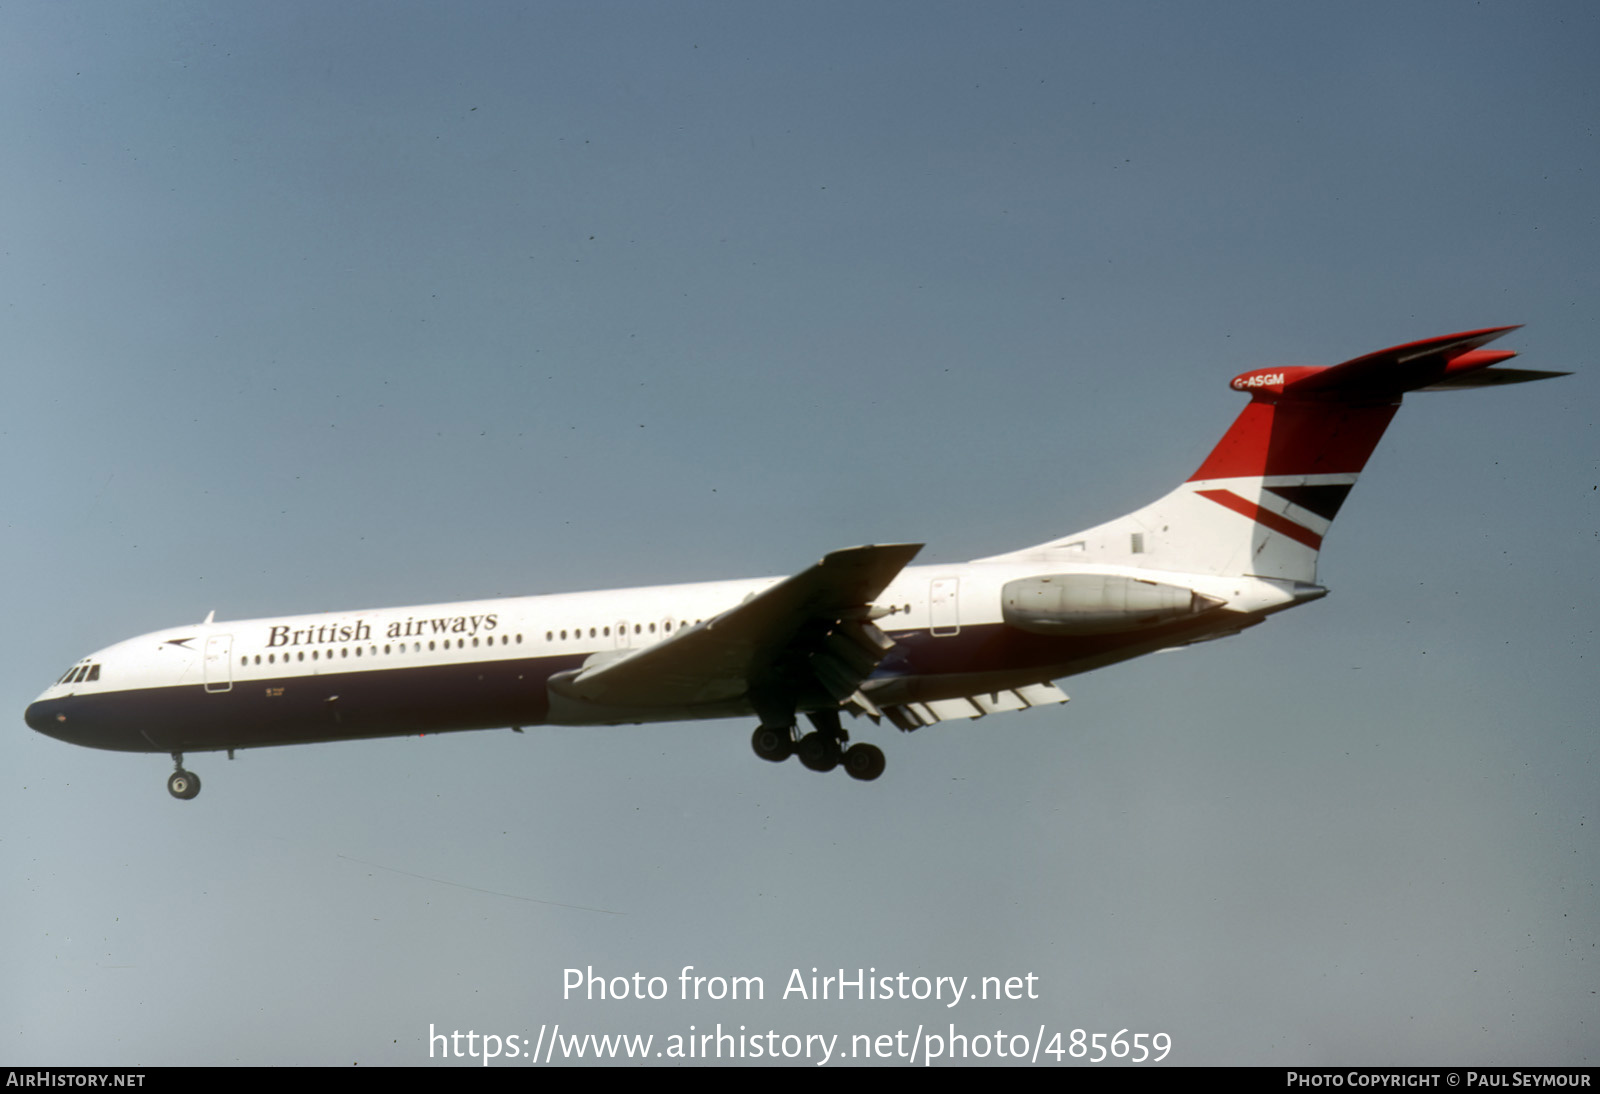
(94, 672)
(79, 673)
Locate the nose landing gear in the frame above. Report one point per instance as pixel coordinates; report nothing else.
(182, 784)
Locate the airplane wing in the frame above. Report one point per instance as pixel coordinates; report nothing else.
(813, 628)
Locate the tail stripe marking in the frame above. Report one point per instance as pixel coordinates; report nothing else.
(1265, 517)
(1323, 500)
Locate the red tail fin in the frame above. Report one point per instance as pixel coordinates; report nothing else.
(1327, 420)
(1264, 498)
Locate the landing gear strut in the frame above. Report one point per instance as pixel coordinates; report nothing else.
(182, 784)
(820, 750)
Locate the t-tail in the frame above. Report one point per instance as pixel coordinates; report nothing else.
(1265, 497)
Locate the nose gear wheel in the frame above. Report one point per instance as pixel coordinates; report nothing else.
(181, 784)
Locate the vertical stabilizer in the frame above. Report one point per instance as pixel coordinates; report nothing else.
(1262, 501)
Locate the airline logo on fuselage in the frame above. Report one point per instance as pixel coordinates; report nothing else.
(360, 631)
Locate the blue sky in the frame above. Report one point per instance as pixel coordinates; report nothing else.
(336, 306)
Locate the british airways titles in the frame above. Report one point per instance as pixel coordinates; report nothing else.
(360, 631)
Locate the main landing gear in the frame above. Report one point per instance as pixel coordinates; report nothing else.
(822, 749)
(182, 784)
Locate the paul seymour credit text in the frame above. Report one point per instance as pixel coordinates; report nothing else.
(922, 1043)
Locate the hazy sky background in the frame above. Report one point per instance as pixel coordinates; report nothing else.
(312, 306)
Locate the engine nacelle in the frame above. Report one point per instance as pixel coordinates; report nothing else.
(1096, 603)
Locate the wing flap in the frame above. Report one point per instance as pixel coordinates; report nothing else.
(909, 716)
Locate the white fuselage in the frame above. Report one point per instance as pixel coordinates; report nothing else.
(486, 663)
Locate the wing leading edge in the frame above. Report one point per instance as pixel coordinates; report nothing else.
(809, 633)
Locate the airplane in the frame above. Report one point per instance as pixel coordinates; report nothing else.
(861, 632)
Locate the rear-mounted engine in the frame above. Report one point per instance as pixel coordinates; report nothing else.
(1097, 603)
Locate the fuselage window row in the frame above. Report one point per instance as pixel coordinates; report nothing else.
(92, 672)
(576, 633)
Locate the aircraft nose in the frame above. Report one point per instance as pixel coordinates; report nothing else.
(46, 716)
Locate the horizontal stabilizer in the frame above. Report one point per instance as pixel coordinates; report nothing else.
(1491, 377)
(1405, 368)
(1434, 364)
